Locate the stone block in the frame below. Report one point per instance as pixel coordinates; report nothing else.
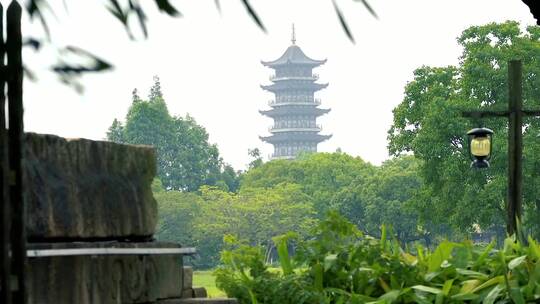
(126, 279)
(188, 277)
(200, 292)
(187, 293)
(79, 189)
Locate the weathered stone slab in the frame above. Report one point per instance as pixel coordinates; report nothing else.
(104, 279)
(200, 292)
(187, 293)
(188, 277)
(84, 189)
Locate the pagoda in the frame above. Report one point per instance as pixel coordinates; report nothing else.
(295, 108)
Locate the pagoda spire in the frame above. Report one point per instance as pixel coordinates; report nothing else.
(293, 38)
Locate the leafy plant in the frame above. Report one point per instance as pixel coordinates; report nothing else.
(340, 264)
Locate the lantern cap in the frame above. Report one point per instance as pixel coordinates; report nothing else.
(480, 131)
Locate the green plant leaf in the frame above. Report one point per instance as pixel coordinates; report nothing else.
(493, 294)
(465, 297)
(318, 273)
(472, 274)
(469, 285)
(447, 286)
(390, 296)
(329, 261)
(490, 282)
(284, 257)
(516, 262)
(424, 288)
(441, 254)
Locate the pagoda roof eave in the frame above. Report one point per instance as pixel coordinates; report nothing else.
(283, 86)
(293, 55)
(273, 65)
(285, 137)
(287, 110)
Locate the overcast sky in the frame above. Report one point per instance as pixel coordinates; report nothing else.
(209, 65)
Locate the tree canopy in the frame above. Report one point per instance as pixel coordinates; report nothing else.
(280, 196)
(186, 160)
(428, 123)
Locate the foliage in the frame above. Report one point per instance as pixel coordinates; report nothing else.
(429, 124)
(367, 195)
(385, 197)
(281, 196)
(177, 211)
(255, 215)
(257, 161)
(320, 175)
(342, 265)
(186, 160)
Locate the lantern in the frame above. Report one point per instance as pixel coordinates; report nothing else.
(480, 147)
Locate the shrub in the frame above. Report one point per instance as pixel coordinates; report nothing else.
(342, 265)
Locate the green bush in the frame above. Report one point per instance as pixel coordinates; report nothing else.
(342, 265)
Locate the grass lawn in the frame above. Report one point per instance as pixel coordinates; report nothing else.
(206, 279)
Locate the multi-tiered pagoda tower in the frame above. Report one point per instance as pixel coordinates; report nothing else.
(295, 108)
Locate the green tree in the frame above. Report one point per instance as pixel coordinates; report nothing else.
(186, 160)
(428, 123)
(385, 197)
(320, 175)
(177, 212)
(254, 214)
(257, 160)
(116, 132)
(155, 90)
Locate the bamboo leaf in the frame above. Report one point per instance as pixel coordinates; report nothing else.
(35, 8)
(166, 7)
(253, 15)
(369, 8)
(343, 22)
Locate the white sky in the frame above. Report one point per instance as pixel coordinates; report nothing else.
(209, 65)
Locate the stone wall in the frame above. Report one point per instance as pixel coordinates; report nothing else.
(81, 189)
(104, 279)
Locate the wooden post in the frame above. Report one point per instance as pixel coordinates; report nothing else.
(15, 82)
(515, 145)
(515, 116)
(5, 210)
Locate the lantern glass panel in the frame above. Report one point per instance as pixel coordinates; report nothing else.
(481, 146)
